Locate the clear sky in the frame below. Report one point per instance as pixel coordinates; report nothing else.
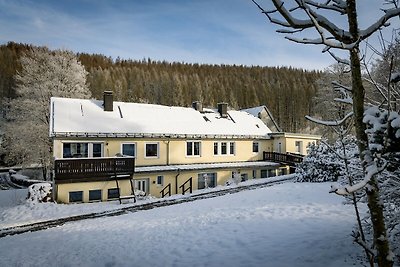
(193, 31)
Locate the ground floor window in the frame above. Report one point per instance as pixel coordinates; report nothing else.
(244, 177)
(76, 196)
(160, 180)
(254, 174)
(206, 180)
(268, 173)
(113, 193)
(95, 195)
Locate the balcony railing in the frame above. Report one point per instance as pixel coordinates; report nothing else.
(92, 168)
(290, 159)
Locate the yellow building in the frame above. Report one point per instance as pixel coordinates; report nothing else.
(105, 149)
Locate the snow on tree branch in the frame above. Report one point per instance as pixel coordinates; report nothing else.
(370, 171)
(330, 123)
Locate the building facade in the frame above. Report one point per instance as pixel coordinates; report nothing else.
(173, 147)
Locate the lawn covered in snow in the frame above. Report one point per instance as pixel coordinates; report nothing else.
(290, 224)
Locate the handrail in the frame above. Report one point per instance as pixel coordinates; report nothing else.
(190, 181)
(65, 169)
(285, 158)
(168, 192)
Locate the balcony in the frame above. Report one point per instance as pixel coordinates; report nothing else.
(290, 159)
(92, 169)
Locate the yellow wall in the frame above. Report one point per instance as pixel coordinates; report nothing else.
(173, 151)
(154, 190)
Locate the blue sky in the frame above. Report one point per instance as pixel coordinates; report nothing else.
(194, 31)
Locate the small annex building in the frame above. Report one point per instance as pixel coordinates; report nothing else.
(159, 150)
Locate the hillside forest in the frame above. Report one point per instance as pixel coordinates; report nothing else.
(287, 92)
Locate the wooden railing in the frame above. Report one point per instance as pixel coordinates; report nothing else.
(190, 181)
(72, 169)
(290, 159)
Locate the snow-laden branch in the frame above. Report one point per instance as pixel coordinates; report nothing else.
(337, 8)
(347, 100)
(370, 171)
(337, 85)
(330, 123)
(339, 60)
(381, 22)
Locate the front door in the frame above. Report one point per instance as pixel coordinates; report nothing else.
(141, 185)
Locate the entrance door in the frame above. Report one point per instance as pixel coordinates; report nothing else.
(141, 185)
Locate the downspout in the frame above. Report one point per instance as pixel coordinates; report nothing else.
(168, 152)
(176, 181)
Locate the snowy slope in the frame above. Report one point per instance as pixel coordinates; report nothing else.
(283, 225)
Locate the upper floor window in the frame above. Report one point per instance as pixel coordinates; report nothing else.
(151, 150)
(255, 147)
(128, 149)
(215, 148)
(82, 150)
(193, 148)
(224, 148)
(299, 146)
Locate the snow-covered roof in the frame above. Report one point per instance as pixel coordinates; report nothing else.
(255, 111)
(84, 117)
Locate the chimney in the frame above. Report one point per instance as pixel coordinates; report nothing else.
(108, 101)
(223, 109)
(197, 106)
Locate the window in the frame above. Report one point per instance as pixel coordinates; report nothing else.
(151, 150)
(232, 148)
(160, 180)
(193, 148)
(299, 146)
(215, 148)
(255, 147)
(113, 193)
(95, 195)
(206, 180)
(268, 173)
(244, 177)
(76, 196)
(223, 148)
(97, 150)
(75, 150)
(254, 174)
(128, 149)
(83, 150)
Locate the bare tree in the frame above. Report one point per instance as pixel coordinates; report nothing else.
(44, 74)
(303, 16)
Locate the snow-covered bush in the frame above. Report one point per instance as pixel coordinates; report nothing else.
(325, 163)
(38, 193)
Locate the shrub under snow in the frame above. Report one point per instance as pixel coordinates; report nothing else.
(40, 192)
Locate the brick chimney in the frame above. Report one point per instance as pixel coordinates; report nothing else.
(197, 106)
(223, 109)
(108, 100)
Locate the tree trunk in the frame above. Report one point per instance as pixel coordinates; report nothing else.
(376, 209)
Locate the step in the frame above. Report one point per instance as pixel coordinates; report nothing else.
(127, 197)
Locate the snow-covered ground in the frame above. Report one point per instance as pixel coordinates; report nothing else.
(290, 224)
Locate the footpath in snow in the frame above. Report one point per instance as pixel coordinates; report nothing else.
(289, 224)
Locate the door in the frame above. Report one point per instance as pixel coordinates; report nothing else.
(142, 185)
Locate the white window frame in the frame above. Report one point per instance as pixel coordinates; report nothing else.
(258, 147)
(193, 142)
(162, 180)
(128, 143)
(90, 147)
(228, 148)
(158, 150)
